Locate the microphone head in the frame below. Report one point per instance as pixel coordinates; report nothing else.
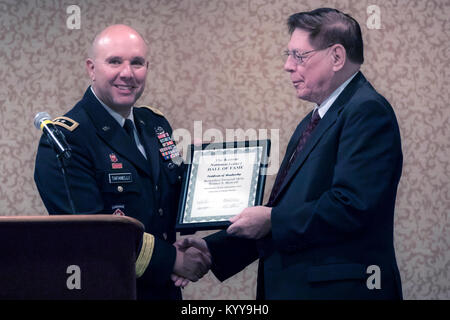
(41, 116)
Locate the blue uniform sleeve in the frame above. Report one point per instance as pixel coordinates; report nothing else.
(80, 174)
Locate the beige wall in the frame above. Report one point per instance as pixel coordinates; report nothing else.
(219, 61)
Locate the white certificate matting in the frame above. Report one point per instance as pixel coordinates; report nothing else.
(222, 183)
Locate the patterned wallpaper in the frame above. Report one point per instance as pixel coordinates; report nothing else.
(217, 65)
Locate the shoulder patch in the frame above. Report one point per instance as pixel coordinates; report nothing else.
(66, 123)
(154, 110)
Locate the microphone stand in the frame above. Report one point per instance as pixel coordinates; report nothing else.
(62, 157)
(62, 166)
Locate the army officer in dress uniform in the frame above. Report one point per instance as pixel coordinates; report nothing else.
(123, 162)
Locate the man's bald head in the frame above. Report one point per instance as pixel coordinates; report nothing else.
(115, 32)
(117, 66)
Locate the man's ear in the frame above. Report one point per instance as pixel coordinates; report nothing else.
(339, 56)
(90, 67)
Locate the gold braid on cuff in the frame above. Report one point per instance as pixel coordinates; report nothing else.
(148, 243)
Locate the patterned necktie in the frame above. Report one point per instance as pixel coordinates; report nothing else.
(301, 143)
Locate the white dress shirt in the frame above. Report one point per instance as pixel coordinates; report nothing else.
(326, 104)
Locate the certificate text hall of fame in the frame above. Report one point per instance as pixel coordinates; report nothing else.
(222, 183)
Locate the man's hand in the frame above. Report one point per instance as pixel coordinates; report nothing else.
(192, 262)
(252, 223)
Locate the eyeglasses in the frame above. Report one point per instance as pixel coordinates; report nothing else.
(300, 58)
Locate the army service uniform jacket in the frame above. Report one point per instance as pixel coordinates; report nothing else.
(108, 175)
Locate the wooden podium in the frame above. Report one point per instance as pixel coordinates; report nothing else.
(69, 257)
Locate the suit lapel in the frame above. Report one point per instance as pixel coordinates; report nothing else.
(325, 123)
(112, 133)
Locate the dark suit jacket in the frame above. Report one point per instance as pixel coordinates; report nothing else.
(333, 217)
(147, 190)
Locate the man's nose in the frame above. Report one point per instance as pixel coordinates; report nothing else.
(290, 64)
(126, 71)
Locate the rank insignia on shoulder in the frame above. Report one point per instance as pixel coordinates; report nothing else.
(154, 110)
(66, 123)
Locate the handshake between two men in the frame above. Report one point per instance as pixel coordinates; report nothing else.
(193, 259)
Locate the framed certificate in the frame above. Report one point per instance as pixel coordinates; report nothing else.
(221, 180)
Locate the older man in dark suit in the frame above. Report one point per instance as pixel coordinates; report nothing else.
(327, 230)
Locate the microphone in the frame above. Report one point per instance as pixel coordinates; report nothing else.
(43, 122)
